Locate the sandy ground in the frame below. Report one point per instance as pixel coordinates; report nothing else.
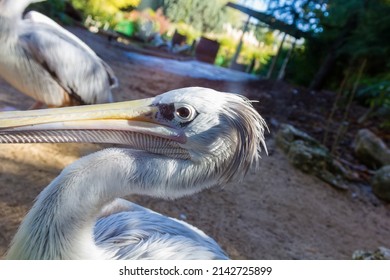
(278, 212)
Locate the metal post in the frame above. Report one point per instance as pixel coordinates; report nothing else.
(273, 64)
(239, 46)
(282, 70)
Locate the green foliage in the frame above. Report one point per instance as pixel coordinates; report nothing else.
(369, 23)
(54, 9)
(304, 14)
(226, 50)
(350, 31)
(375, 94)
(378, 94)
(203, 15)
(248, 53)
(125, 27)
(264, 35)
(187, 30)
(104, 10)
(193, 18)
(148, 22)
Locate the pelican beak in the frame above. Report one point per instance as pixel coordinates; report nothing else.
(115, 123)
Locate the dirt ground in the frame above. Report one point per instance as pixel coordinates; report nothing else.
(278, 212)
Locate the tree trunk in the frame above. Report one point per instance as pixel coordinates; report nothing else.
(330, 59)
(319, 79)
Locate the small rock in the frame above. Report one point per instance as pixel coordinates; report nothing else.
(385, 252)
(382, 253)
(308, 155)
(182, 216)
(362, 255)
(381, 183)
(288, 134)
(333, 180)
(371, 150)
(274, 122)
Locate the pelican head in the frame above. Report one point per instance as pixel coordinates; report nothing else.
(220, 132)
(15, 8)
(216, 126)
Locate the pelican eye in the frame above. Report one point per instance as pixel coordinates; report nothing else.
(185, 112)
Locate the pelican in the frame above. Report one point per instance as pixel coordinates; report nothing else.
(177, 144)
(46, 62)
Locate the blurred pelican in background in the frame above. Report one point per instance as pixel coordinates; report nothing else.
(46, 62)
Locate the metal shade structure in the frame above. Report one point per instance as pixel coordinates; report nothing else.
(271, 21)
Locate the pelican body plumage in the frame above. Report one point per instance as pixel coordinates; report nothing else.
(177, 144)
(48, 63)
